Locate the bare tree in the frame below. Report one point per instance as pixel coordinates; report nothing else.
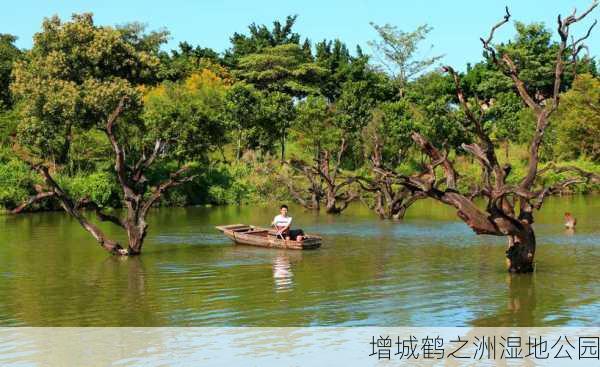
(391, 199)
(138, 198)
(326, 182)
(509, 207)
(309, 197)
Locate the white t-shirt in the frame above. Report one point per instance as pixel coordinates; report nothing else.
(281, 221)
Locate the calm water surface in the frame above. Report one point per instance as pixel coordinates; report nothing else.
(429, 270)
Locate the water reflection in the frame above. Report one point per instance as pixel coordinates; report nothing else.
(282, 272)
(521, 298)
(429, 269)
(136, 276)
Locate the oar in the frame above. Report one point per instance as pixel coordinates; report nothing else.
(279, 234)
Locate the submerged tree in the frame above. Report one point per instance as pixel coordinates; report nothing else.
(327, 183)
(386, 140)
(392, 199)
(327, 145)
(90, 86)
(510, 201)
(179, 124)
(387, 145)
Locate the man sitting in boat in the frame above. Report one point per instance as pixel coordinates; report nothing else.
(282, 224)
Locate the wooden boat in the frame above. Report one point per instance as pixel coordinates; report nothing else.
(244, 234)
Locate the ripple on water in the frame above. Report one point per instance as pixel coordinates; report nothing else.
(418, 272)
(190, 239)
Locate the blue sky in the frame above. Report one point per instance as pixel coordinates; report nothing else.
(457, 24)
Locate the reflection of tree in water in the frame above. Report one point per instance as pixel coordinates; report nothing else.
(521, 299)
(128, 283)
(520, 306)
(136, 277)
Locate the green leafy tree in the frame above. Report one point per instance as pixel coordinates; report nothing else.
(485, 81)
(535, 53)
(434, 108)
(73, 77)
(242, 113)
(259, 120)
(313, 128)
(398, 52)
(9, 53)
(341, 67)
(504, 118)
(354, 106)
(186, 60)
(284, 68)
(276, 118)
(390, 128)
(136, 35)
(262, 37)
(578, 119)
(186, 116)
(80, 77)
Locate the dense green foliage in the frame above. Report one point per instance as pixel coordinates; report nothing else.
(271, 97)
(579, 120)
(398, 52)
(9, 53)
(71, 80)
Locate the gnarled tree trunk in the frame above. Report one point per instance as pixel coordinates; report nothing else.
(520, 251)
(499, 217)
(136, 198)
(337, 194)
(326, 186)
(392, 200)
(311, 197)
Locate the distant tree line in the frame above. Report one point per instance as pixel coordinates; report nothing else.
(96, 117)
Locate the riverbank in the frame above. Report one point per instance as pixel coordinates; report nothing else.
(251, 180)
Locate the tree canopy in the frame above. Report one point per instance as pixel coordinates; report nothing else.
(323, 117)
(73, 77)
(9, 53)
(398, 49)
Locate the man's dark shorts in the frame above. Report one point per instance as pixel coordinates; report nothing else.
(295, 233)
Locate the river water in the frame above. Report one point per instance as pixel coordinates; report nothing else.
(428, 270)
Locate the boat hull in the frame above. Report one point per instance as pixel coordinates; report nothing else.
(243, 234)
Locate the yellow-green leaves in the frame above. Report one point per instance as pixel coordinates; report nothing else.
(73, 78)
(186, 116)
(578, 119)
